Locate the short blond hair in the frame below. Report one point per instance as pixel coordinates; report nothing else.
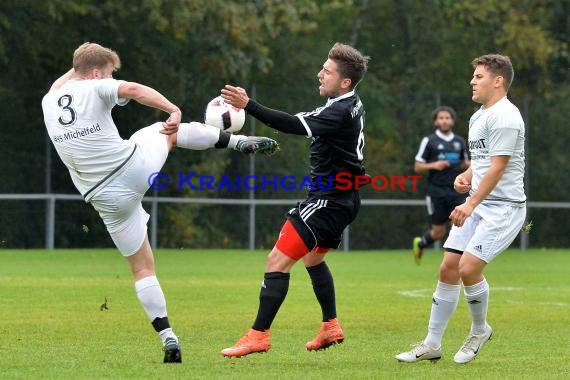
(90, 56)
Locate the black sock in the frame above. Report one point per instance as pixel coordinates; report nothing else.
(323, 285)
(271, 296)
(160, 324)
(427, 240)
(223, 141)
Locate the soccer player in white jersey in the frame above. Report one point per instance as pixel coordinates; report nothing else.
(113, 174)
(491, 217)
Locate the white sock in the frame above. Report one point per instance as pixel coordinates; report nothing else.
(234, 139)
(197, 136)
(167, 333)
(478, 299)
(153, 302)
(445, 299)
(151, 297)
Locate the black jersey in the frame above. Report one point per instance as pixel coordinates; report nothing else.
(439, 146)
(337, 139)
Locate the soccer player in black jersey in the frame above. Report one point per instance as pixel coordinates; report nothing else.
(443, 155)
(315, 225)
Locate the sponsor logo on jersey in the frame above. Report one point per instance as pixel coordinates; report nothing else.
(477, 144)
(77, 134)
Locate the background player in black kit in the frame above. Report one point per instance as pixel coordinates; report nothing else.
(316, 224)
(444, 155)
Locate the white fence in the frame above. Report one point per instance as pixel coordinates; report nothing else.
(252, 203)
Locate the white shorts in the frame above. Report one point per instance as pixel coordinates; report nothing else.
(119, 202)
(488, 231)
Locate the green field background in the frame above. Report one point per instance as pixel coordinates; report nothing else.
(52, 326)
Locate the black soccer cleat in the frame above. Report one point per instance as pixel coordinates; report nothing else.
(257, 144)
(172, 352)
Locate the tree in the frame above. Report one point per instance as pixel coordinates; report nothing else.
(188, 49)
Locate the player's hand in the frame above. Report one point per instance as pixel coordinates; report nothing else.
(170, 126)
(461, 185)
(236, 96)
(460, 214)
(441, 164)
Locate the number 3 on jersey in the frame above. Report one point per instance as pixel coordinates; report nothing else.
(68, 114)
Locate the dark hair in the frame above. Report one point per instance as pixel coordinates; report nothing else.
(351, 63)
(498, 65)
(436, 112)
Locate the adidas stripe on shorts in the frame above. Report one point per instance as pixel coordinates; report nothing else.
(321, 222)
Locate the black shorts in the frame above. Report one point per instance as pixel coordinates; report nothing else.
(321, 220)
(439, 206)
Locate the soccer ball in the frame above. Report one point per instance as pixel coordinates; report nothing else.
(224, 116)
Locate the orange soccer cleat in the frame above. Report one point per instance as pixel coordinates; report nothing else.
(330, 333)
(253, 341)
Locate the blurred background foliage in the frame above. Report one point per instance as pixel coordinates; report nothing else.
(188, 49)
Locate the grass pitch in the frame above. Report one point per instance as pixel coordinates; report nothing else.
(52, 325)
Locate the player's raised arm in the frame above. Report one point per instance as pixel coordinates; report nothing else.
(236, 96)
(279, 120)
(150, 97)
(62, 79)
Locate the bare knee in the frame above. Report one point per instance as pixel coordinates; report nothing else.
(448, 274)
(470, 274)
(142, 272)
(278, 261)
(449, 268)
(142, 262)
(312, 258)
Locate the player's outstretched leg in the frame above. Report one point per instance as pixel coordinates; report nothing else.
(257, 144)
(330, 333)
(199, 136)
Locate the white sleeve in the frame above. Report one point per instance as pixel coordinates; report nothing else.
(309, 133)
(421, 150)
(108, 90)
(503, 134)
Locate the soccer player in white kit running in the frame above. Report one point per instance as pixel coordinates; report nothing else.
(113, 174)
(491, 217)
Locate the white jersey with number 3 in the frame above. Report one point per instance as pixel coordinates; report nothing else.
(497, 131)
(79, 123)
